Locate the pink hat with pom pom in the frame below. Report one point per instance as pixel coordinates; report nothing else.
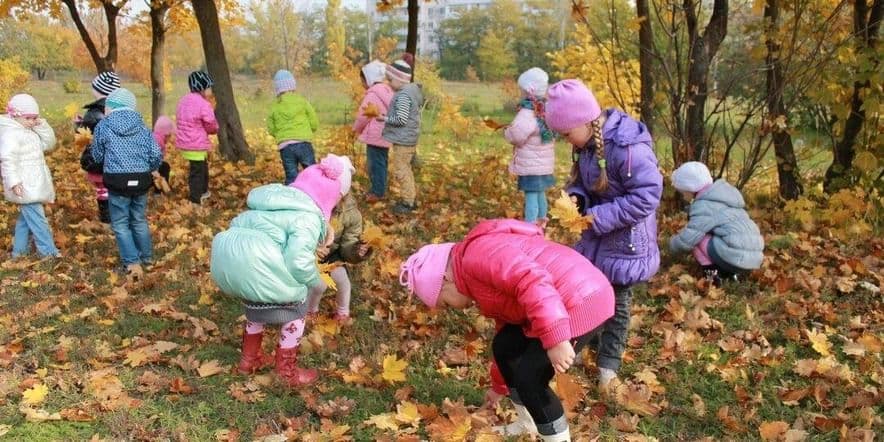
(423, 272)
(326, 182)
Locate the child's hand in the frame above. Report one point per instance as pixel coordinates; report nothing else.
(18, 190)
(492, 398)
(561, 356)
(381, 118)
(322, 252)
(363, 250)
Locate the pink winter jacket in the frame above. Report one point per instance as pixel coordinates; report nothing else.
(369, 128)
(195, 121)
(530, 155)
(516, 276)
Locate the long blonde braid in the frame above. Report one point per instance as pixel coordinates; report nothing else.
(601, 184)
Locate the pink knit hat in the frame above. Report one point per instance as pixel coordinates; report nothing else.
(162, 130)
(423, 272)
(570, 104)
(322, 182)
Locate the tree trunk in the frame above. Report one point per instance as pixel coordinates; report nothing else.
(703, 48)
(107, 62)
(787, 164)
(157, 47)
(645, 61)
(866, 38)
(231, 140)
(411, 39)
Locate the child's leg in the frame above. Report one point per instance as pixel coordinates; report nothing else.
(140, 228)
(120, 224)
(101, 196)
(701, 251)
(290, 333)
(402, 172)
(377, 169)
(35, 217)
(527, 370)
(204, 177)
(542, 205)
(195, 180)
(612, 341)
(254, 327)
(306, 156)
(531, 206)
(342, 281)
(314, 296)
(21, 242)
(289, 163)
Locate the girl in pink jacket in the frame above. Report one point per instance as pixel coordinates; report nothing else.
(534, 150)
(545, 297)
(195, 119)
(377, 97)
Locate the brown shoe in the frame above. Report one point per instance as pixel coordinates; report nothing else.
(288, 371)
(253, 358)
(372, 198)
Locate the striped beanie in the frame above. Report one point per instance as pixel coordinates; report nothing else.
(121, 98)
(284, 81)
(106, 82)
(199, 81)
(399, 70)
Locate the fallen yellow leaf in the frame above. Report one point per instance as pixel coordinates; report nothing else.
(394, 369)
(35, 394)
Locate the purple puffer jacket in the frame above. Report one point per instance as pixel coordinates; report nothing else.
(622, 241)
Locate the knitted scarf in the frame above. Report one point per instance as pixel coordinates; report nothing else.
(539, 108)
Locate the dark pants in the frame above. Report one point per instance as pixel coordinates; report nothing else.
(165, 171)
(612, 339)
(725, 270)
(293, 155)
(104, 211)
(377, 169)
(527, 371)
(198, 180)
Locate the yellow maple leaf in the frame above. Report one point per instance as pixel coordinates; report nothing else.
(385, 421)
(374, 236)
(773, 430)
(394, 369)
(565, 211)
(407, 413)
(819, 342)
(325, 274)
(371, 111)
(137, 357)
(35, 394)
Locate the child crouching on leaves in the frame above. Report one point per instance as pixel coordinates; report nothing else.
(346, 248)
(102, 85)
(534, 149)
(24, 138)
(719, 233)
(267, 258)
(545, 297)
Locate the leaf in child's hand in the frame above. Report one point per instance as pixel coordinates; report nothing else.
(491, 124)
(371, 111)
(373, 236)
(565, 211)
(325, 274)
(82, 138)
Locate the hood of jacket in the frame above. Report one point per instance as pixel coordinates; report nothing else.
(123, 122)
(721, 191)
(624, 130)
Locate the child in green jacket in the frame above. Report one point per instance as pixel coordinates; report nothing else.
(292, 122)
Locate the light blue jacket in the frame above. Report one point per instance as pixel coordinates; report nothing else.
(268, 255)
(721, 212)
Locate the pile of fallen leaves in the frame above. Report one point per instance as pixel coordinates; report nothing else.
(794, 353)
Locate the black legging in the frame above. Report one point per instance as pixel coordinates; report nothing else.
(526, 368)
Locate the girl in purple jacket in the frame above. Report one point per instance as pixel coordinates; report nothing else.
(615, 180)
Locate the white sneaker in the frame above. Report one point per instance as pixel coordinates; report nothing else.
(524, 424)
(606, 375)
(564, 436)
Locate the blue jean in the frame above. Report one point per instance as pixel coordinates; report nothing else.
(293, 155)
(377, 169)
(535, 206)
(612, 340)
(32, 221)
(129, 223)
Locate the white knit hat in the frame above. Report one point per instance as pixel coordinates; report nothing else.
(22, 105)
(691, 177)
(534, 82)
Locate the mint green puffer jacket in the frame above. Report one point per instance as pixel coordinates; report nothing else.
(268, 255)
